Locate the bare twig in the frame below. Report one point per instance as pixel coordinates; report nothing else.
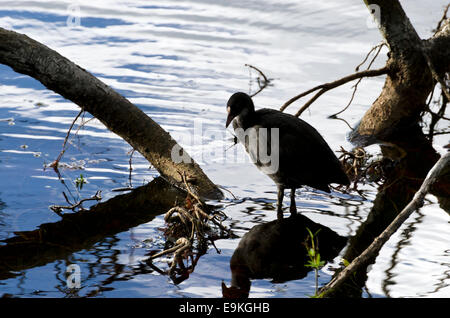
(220, 187)
(379, 47)
(444, 17)
(435, 117)
(198, 207)
(357, 157)
(435, 75)
(328, 86)
(378, 243)
(355, 87)
(345, 122)
(55, 163)
(433, 71)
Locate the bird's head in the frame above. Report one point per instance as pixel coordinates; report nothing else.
(239, 104)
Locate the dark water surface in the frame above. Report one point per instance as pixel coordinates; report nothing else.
(179, 61)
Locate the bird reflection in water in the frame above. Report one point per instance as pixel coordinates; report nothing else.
(276, 250)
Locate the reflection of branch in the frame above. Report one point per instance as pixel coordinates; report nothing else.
(327, 86)
(417, 202)
(130, 168)
(264, 83)
(54, 241)
(58, 208)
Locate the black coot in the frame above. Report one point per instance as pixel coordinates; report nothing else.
(301, 156)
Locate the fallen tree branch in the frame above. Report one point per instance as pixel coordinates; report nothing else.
(119, 115)
(328, 86)
(417, 202)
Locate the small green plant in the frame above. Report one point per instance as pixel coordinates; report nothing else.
(345, 262)
(80, 181)
(312, 248)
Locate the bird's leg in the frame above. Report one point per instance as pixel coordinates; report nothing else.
(280, 202)
(293, 207)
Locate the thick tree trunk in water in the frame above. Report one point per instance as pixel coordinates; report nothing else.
(57, 73)
(402, 182)
(410, 79)
(415, 66)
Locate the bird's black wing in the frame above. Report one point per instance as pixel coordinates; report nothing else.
(305, 157)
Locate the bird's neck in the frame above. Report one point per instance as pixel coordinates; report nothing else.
(245, 118)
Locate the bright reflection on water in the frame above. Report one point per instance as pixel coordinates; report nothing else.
(179, 61)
